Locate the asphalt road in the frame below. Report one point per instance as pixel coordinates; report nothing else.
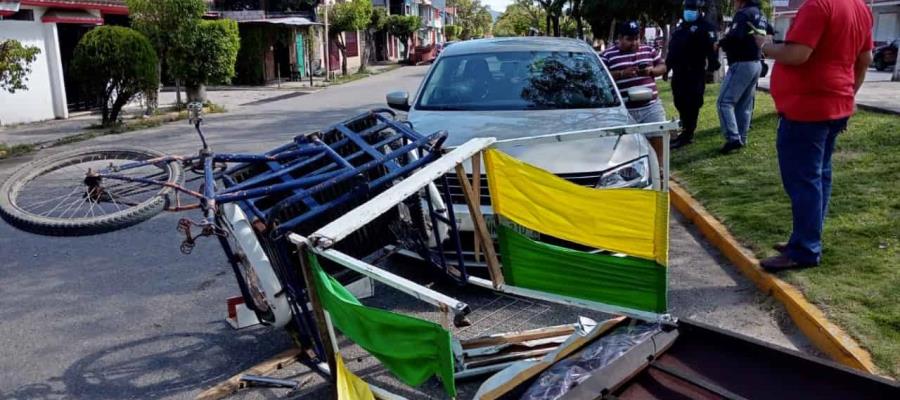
(126, 315)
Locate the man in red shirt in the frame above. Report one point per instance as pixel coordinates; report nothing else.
(818, 71)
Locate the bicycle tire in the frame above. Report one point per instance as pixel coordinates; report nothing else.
(20, 218)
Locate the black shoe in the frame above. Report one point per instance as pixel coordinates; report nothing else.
(682, 140)
(731, 146)
(782, 263)
(781, 248)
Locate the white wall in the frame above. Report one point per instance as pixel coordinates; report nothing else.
(887, 23)
(35, 104)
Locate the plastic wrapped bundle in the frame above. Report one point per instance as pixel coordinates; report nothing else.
(567, 374)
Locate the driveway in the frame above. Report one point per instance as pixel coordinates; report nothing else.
(126, 315)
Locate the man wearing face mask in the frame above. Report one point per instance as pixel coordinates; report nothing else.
(691, 54)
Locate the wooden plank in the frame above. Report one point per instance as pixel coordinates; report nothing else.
(319, 313)
(540, 366)
(483, 361)
(518, 337)
(476, 187)
(481, 231)
(233, 384)
(362, 215)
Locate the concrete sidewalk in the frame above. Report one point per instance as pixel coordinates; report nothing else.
(230, 97)
(877, 94)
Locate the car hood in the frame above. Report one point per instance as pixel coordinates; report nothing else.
(588, 155)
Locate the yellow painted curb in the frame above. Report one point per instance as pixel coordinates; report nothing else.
(827, 336)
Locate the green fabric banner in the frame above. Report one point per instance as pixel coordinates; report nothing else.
(412, 349)
(629, 282)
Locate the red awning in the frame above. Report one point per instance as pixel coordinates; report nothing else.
(104, 6)
(71, 17)
(8, 7)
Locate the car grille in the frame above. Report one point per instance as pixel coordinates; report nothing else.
(588, 179)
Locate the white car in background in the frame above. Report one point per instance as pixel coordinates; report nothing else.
(515, 87)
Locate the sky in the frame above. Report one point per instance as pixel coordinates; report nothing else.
(497, 5)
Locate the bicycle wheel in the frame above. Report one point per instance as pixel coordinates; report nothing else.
(62, 196)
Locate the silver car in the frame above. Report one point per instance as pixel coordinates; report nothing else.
(515, 87)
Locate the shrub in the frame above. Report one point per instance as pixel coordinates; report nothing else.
(15, 65)
(451, 32)
(115, 64)
(210, 56)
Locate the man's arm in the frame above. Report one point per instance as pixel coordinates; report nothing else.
(657, 70)
(860, 68)
(785, 53)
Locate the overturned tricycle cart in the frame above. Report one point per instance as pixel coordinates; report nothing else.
(306, 224)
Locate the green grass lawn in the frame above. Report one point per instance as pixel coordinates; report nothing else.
(858, 283)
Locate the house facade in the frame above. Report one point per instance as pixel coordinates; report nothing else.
(280, 39)
(886, 14)
(54, 27)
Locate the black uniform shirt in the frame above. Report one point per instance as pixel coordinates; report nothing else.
(691, 48)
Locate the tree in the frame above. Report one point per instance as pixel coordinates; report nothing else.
(350, 16)
(474, 19)
(553, 10)
(208, 58)
(377, 22)
(575, 13)
(602, 15)
(115, 64)
(403, 26)
(520, 18)
(452, 32)
(15, 65)
(169, 24)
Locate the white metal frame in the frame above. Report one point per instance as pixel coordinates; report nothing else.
(321, 241)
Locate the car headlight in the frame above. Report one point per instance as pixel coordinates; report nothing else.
(633, 174)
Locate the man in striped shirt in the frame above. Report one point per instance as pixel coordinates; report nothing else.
(632, 65)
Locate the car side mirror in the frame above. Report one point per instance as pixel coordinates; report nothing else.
(637, 94)
(398, 100)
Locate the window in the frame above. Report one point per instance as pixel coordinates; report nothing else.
(886, 27)
(538, 80)
(351, 39)
(22, 15)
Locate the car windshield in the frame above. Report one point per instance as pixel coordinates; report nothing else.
(518, 81)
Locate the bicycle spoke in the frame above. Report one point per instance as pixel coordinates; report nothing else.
(42, 202)
(69, 208)
(47, 213)
(113, 198)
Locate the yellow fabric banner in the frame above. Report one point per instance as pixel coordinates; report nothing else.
(349, 386)
(630, 221)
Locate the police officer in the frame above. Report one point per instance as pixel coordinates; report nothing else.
(691, 54)
(737, 94)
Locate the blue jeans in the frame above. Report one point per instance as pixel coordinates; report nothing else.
(804, 157)
(736, 99)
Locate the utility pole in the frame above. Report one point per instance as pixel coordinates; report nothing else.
(327, 46)
(896, 77)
